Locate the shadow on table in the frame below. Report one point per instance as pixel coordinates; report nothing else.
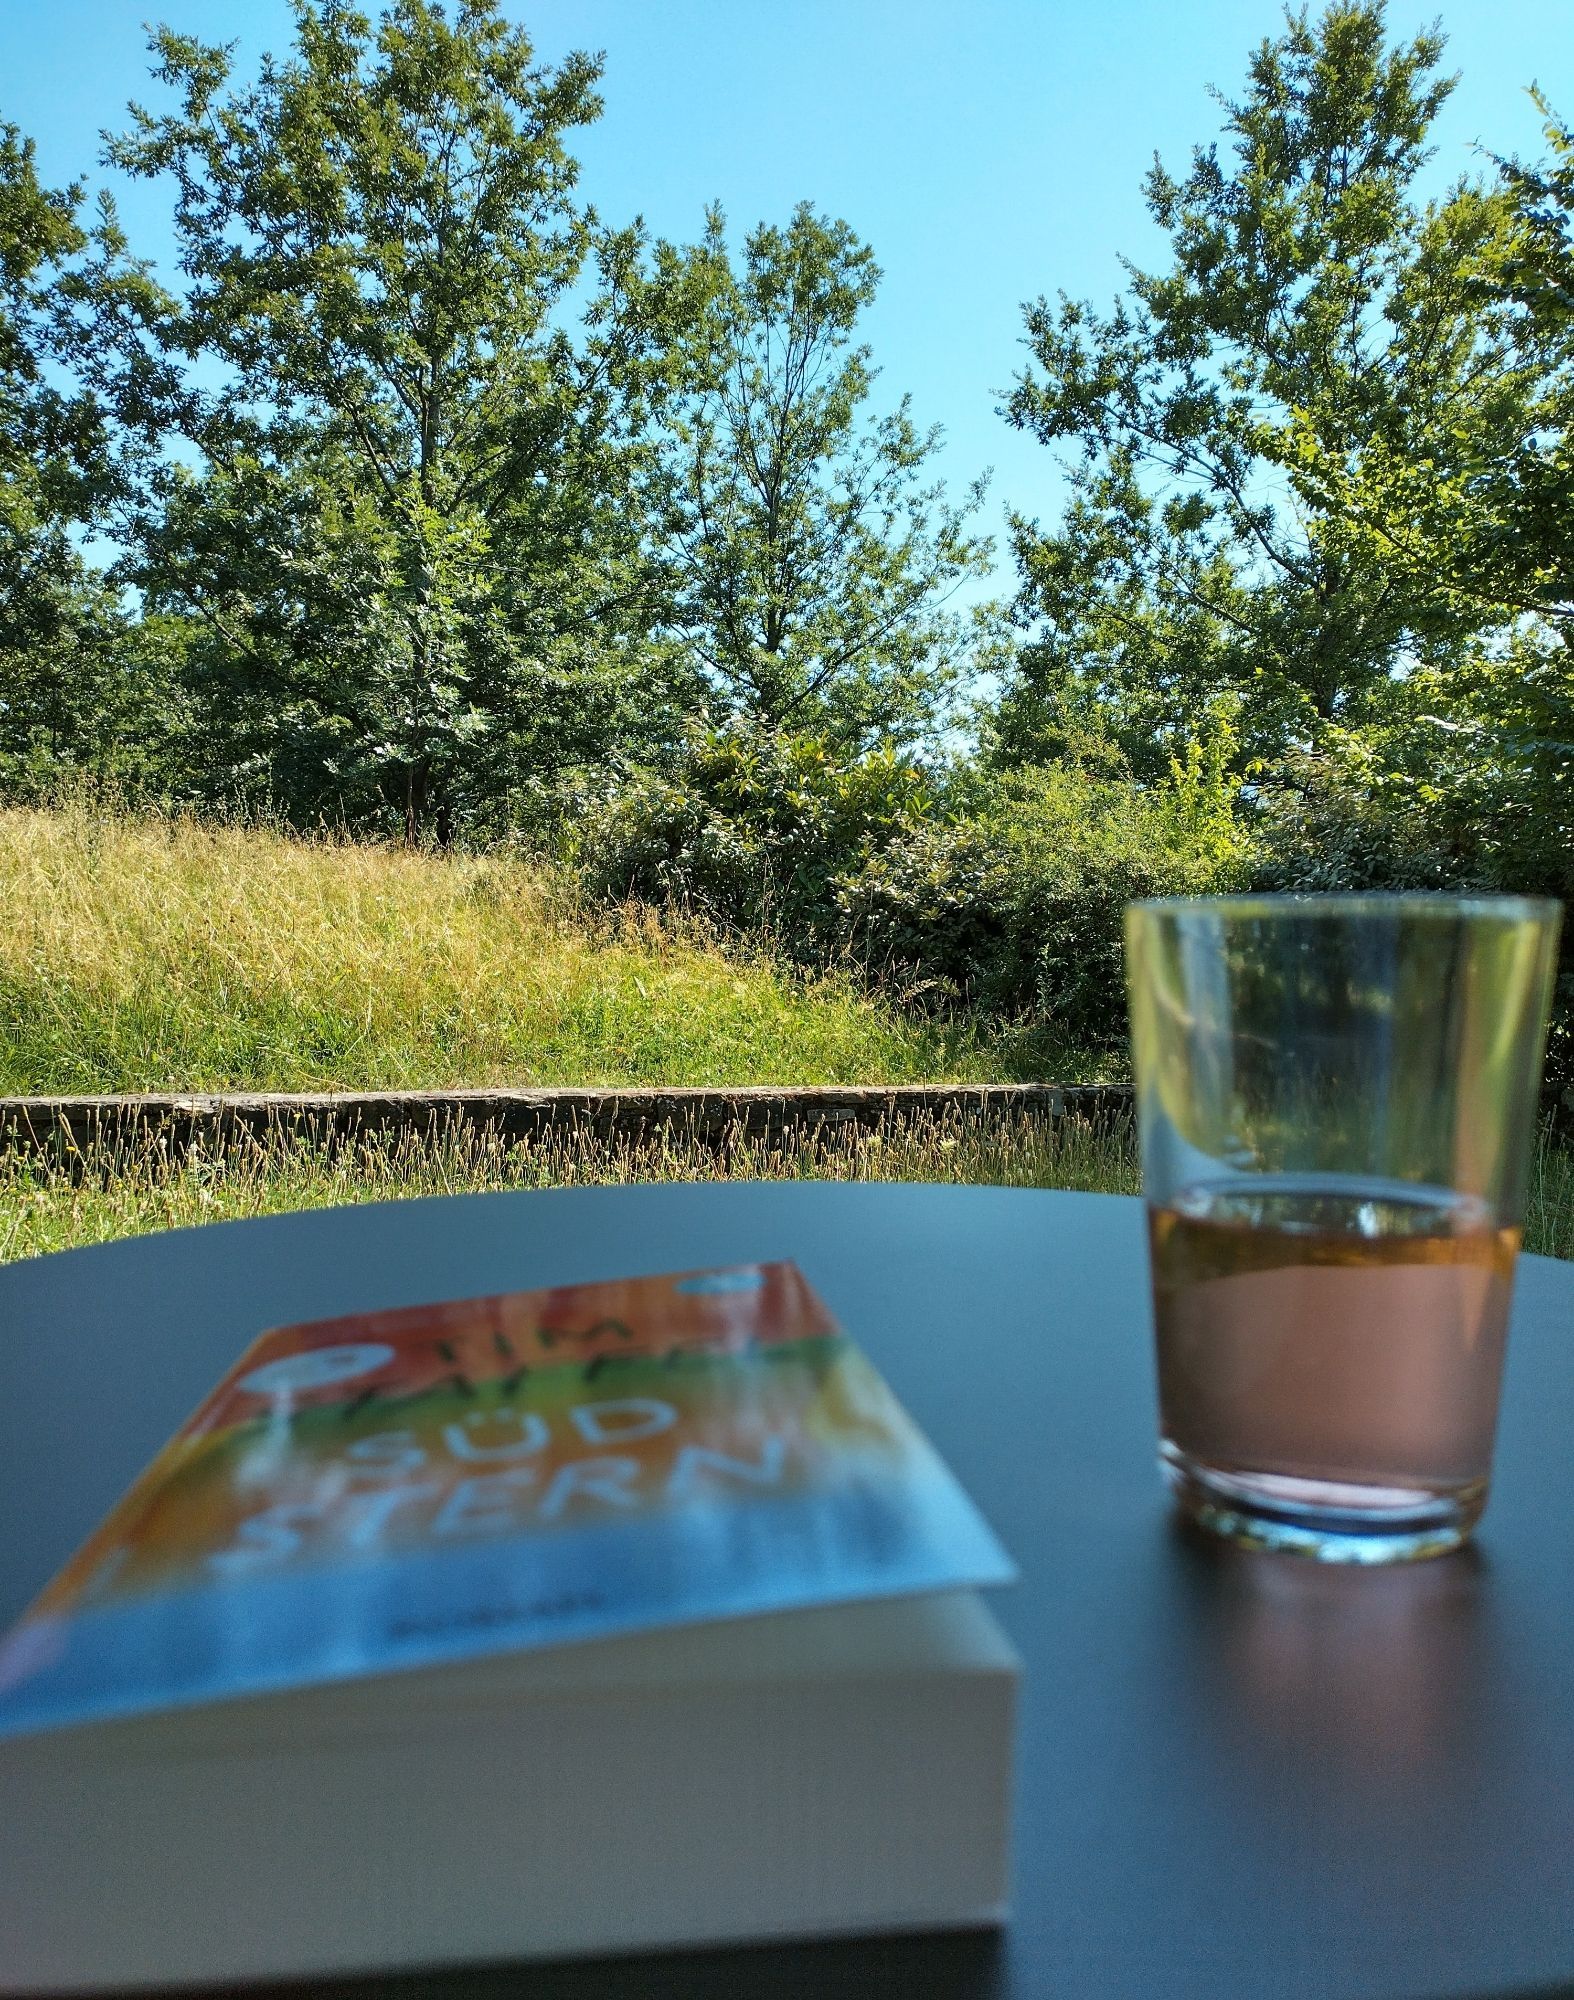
(1370, 1672)
(939, 1966)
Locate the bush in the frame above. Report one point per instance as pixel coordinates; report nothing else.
(1357, 818)
(756, 832)
(1017, 908)
(1000, 893)
(1322, 825)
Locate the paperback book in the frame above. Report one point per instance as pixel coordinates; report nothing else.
(435, 1483)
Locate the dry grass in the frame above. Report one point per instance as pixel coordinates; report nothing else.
(126, 1191)
(142, 953)
(1549, 1218)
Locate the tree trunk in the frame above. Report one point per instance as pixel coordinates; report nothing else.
(417, 781)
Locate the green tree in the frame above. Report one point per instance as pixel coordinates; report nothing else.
(808, 562)
(1534, 539)
(1497, 529)
(406, 530)
(1317, 326)
(69, 686)
(50, 442)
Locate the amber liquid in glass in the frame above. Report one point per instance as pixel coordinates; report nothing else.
(1329, 1351)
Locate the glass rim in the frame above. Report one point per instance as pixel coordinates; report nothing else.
(1346, 903)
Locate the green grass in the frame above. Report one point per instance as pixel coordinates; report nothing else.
(123, 1192)
(139, 953)
(145, 954)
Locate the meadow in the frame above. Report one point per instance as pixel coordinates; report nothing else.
(140, 953)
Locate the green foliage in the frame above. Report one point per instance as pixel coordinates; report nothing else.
(807, 564)
(1490, 522)
(85, 688)
(58, 624)
(99, 712)
(1527, 525)
(755, 831)
(1465, 781)
(53, 443)
(407, 529)
(1316, 328)
(1320, 474)
(1016, 907)
(44, 440)
(956, 890)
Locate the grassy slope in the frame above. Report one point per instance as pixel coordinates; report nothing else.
(136, 954)
(139, 954)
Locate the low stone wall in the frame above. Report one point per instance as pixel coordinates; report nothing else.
(55, 1126)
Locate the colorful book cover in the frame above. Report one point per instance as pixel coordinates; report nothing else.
(436, 1482)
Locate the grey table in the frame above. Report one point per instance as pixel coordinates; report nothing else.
(1239, 1775)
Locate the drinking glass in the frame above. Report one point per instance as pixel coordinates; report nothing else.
(1336, 1097)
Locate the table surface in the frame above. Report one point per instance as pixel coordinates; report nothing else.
(1238, 1774)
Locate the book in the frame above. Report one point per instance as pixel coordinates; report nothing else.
(395, 1488)
(630, 1574)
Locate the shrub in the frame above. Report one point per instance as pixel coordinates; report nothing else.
(1322, 825)
(1017, 907)
(754, 831)
(1000, 893)
(1356, 818)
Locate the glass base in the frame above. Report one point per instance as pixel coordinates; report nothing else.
(1328, 1520)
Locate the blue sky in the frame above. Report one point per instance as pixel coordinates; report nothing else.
(989, 150)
